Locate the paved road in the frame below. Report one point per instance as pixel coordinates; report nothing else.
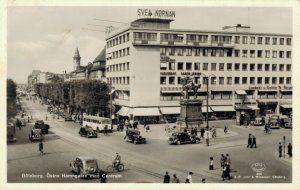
(143, 163)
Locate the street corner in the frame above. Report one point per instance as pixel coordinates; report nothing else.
(285, 158)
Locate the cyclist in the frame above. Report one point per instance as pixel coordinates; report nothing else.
(117, 160)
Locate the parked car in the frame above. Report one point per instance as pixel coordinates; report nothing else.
(135, 137)
(39, 124)
(85, 167)
(35, 134)
(87, 131)
(68, 118)
(259, 121)
(183, 138)
(273, 121)
(285, 122)
(23, 122)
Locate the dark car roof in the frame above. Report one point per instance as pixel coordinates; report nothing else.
(133, 130)
(39, 121)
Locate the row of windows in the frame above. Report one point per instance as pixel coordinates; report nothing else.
(119, 53)
(230, 80)
(221, 66)
(118, 40)
(118, 67)
(214, 52)
(118, 80)
(214, 38)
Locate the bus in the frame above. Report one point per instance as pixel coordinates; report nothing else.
(11, 132)
(97, 123)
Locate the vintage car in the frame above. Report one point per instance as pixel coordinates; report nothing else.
(183, 138)
(273, 121)
(85, 167)
(87, 131)
(135, 137)
(259, 121)
(285, 122)
(68, 117)
(39, 124)
(35, 134)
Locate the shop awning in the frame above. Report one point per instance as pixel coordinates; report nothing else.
(267, 90)
(171, 91)
(204, 109)
(222, 108)
(145, 112)
(253, 107)
(124, 111)
(240, 92)
(286, 90)
(287, 106)
(170, 110)
(243, 107)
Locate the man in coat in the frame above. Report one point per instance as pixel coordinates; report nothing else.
(290, 150)
(280, 150)
(249, 140)
(167, 178)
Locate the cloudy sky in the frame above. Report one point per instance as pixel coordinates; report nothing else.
(45, 38)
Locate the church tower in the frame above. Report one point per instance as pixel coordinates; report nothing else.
(76, 59)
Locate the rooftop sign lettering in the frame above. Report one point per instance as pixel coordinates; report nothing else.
(149, 13)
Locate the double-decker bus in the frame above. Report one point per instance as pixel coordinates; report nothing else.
(97, 123)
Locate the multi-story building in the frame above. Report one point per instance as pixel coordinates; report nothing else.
(147, 60)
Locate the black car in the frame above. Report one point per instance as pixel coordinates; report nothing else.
(68, 118)
(135, 137)
(183, 138)
(87, 131)
(39, 124)
(35, 134)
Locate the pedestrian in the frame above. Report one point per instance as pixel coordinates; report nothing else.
(195, 131)
(228, 164)
(225, 129)
(187, 180)
(145, 123)
(214, 133)
(280, 150)
(249, 140)
(126, 134)
(253, 142)
(167, 178)
(207, 134)
(175, 179)
(147, 128)
(105, 130)
(266, 128)
(189, 177)
(224, 174)
(28, 119)
(41, 147)
(223, 160)
(202, 131)
(290, 150)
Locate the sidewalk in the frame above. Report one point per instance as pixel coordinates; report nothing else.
(286, 160)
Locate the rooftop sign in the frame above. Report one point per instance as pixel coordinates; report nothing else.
(154, 13)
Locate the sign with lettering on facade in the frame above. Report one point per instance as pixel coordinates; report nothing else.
(166, 59)
(155, 13)
(167, 73)
(263, 87)
(190, 73)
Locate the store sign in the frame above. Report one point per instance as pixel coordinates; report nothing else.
(166, 59)
(287, 87)
(151, 13)
(190, 73)
(167, 73)
(263, 87)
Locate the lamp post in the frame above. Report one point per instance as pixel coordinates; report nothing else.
(207, 96)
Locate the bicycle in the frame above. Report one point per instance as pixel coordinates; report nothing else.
(112, 168)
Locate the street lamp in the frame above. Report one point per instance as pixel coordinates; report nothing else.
(207, 96)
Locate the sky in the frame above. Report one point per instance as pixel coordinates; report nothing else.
(45, 38)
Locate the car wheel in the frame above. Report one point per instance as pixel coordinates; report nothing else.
(178, 142)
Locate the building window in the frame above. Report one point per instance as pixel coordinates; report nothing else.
(259, 53)
(213, 66)
(236, 66)
(197, 53)
(205, 52)
(274, 41)
(221, 52)
(127, 65)
(163, 66)
(196, 66)
(237, 39)
(229, 80)
(221, 66)
(188, 52)
(274, 67)
(252, 40)
(229, 66)
(252, 80)
(281, 80)
(274, 54)
(229, 53)
(117, 54)
(252, 53)
(180, 52)
(267, 54)
(281, 54)
(245, 39)
(259, 40)
(281, 41)
(213, 80)
(221, 80)
(244, 80)
(245, 53)
(252, 67)
(197, 80)
(162, 80)
(288, 80)
(236, 80)
(259, 67)
(288, 67)
(267, 40)
(267, 80)
(172, 80)
(127, 49)
(244, 66)
(127, 37)
(274, 80)
(188, 66)
(237, 53)
(180, 66)
(267, 67)
(213, 53)
(162, 51)
(205, 66)
(288, 54)
(281, 67)
(171, 66)
(259, 80)
(289, 41)
(178, 80)
(171, 51)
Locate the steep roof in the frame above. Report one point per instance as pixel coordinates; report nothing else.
(76, 55)
(101, 57)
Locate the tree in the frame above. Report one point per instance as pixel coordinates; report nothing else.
(11, 99)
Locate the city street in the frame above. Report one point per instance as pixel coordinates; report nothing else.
(144, 162)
